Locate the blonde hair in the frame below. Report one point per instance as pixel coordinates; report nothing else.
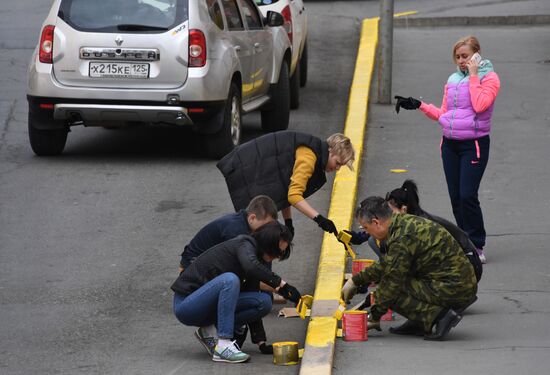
(341, 145)
(470, 41)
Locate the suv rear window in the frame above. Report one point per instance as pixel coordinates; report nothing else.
(119, 16)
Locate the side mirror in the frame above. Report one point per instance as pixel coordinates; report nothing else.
(274, 19)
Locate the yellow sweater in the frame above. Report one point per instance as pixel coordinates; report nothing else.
(302, 172)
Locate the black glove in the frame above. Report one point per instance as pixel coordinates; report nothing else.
(290, 293)
(266, 349)
(326, 224)
(407, 103)
(288, 223)
(357, 238)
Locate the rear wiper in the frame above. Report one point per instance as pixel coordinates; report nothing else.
(136, 27)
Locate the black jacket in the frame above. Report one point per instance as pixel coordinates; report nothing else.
(463, 240)
(238, 255)
(222, 229)
(264, 166)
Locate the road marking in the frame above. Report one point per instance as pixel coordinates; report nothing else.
(404, 14)
(321, 333)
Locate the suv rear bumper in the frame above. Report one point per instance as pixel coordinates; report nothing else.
(194, 114)
(107, 112)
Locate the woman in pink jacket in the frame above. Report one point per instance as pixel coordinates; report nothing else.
(465, 118)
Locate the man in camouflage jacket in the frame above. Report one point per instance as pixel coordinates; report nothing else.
(425, 275)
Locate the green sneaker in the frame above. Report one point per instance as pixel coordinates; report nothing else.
(209, 343)
(231, 354)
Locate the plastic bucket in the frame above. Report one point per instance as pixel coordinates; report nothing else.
(354, 326)
(359, 265)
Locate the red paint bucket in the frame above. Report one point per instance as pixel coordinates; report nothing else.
(354, 326)
(359, 265)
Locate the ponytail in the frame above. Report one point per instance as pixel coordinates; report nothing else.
(411, 193)
(406, 195)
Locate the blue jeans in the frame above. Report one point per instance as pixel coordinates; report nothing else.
(221, 302)
(464, 163)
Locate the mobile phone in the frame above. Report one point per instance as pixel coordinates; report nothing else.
(476, 57)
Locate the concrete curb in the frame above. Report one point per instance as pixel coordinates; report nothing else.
(537, 19)
(321, 333)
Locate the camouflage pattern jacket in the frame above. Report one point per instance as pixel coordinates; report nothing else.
(420, 249)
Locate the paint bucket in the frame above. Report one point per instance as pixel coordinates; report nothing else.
(359, 265)
(354, 326)
(285, 353)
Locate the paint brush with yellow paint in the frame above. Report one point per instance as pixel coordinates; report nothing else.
(344, 237)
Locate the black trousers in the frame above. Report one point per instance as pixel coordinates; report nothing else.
(464, 163)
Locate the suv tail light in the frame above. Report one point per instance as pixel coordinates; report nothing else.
(46, 45)
(197, 48)
(288, 22)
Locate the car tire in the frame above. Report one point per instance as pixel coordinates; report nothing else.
(46, 142)
(295, 88)
(303, 67)
(229, 136)
(278, 113)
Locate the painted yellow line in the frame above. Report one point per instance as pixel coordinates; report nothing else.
(321, 333)
(323, 327)
(404, 14)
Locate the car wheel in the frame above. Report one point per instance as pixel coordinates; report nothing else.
(295, 88)
(303, 67)
(46, 142)
(229, 136)
(277, 116)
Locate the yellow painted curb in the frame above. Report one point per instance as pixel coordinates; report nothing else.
(321, 333)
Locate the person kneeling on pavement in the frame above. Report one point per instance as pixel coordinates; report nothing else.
(405, 200)
(425, 276)
(260, 210)
(219, 293)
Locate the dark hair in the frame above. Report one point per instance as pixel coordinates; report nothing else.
(268, 236)
(406, 195)
(262, 206)
(373, 208)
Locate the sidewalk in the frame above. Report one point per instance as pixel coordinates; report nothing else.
(506, 331)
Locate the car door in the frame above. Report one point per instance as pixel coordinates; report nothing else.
(262, 43)
(240, 39)
(299, 25)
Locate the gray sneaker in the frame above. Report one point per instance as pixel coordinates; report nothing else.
(209, 343)
(231, 354)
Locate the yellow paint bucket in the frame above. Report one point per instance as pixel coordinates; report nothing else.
(285, 353)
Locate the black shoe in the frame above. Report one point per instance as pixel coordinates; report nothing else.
(444, 325)
(461, 310)
(240, 337)
(410, 327)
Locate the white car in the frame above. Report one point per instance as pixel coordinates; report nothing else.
(197, 63)
(294, 13)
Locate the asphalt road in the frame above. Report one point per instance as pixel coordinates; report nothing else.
(90, 240)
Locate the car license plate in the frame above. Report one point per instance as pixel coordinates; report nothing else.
(118, 70)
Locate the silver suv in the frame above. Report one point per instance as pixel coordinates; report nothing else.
(201, 63)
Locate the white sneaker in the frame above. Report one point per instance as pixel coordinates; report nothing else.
(481, 256)
(230, 354)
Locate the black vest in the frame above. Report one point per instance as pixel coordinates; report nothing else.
(264, 166)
